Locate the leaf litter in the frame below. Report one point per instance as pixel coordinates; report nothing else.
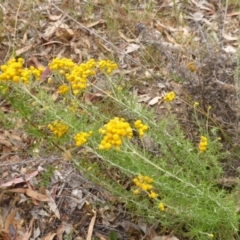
(55, 33)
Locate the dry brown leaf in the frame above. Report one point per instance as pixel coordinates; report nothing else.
(50, 236)
(87, 42)
(170, 39)
(24, 49)
(144, 98)
(17, 190)
(55, 96)
(106, 215)
(36, 233)
(36, 195)
(126, 38)
(229, 49)
(131, 48)
(203, 5)
(33, 61)
(54, 17)
(130, 227)
(229, 37)
(20, 179)
(100, 21)
(100, 236)
(45, 74)
(233, 14)
(5, 142)
(64, 34)
(154, 101)
(17, 141)
(10, 218)
(66, 30)
(169, 28)
(60, 232)
(28, 234)
(76, 48)
(46, 50)
(25, 37)
(50, 30)
(52, 205)
(4, 236)
(90, 228)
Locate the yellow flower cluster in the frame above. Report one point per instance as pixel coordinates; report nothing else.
(114, 131)
(65, 65)
(144, 183)
(58, 128)
(63, 89)
(196, 104)
(107, 66)
(13, 71)
(141, 127)
(203, 144)
(192, 67)
(81, 138)
(161, 207)
(211, 235)
(32, 71)
(169, 97)
(79, 74)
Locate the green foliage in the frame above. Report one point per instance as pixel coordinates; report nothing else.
(184, 179)
(113, 235)
(47, 175)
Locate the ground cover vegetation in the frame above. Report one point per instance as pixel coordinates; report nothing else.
(152, 122)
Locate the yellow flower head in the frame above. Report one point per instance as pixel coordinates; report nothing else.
(196, 104)
(169, 97)
(152, 195)
(79, 74)
(114, 132)
(63, 89)
(161, 207)
(107, 66)
(136, 192)
(141, 127)
(64, 65)
(82, 137)
(192, 67)
(58, 128)
(203, 144)
(11, 71)
(145, 184)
